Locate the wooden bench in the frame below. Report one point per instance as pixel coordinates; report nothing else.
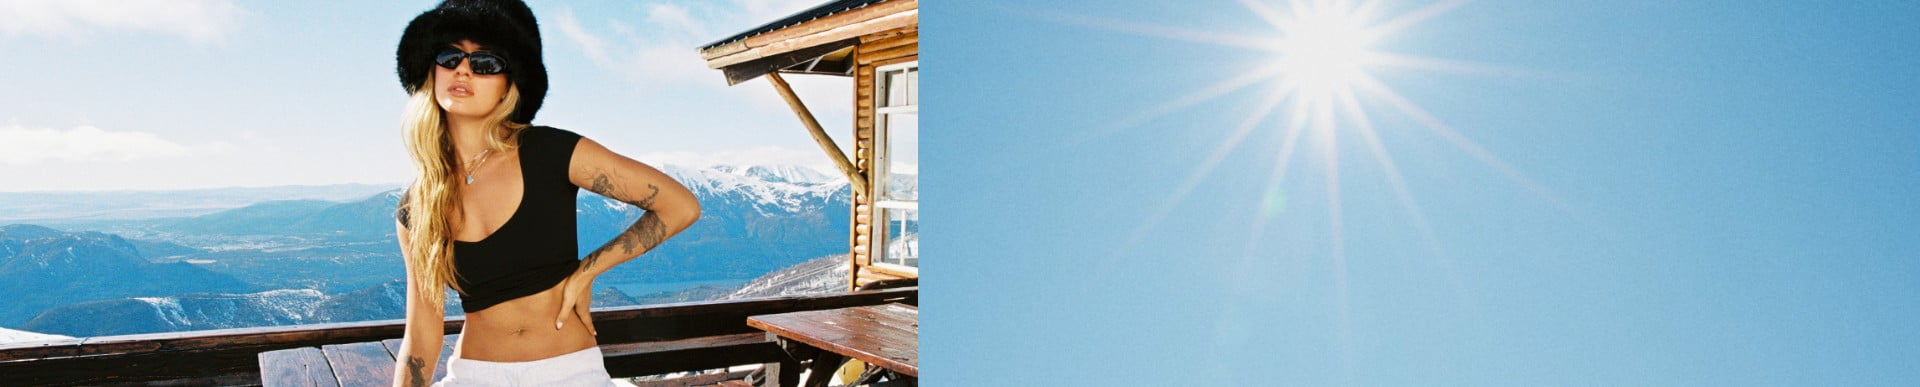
(884, 335)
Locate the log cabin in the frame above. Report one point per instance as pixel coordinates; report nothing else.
(876, 43)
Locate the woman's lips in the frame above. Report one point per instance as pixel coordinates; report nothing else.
(459, 90)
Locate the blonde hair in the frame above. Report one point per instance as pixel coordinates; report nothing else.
(433, 197)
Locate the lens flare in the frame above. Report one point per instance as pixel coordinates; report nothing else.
(1323, 50)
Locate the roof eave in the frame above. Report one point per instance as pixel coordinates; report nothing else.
(778, 49)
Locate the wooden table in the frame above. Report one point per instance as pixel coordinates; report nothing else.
(886, 335)
(352, 364)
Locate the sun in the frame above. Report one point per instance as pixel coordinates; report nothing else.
(1322, 50)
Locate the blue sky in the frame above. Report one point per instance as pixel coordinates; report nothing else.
(219, 93)
(1693, 193)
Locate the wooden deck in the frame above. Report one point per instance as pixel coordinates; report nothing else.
(351, 364)
(636, 341)
(371, 363)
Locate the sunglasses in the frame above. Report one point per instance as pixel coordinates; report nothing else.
(483, 63)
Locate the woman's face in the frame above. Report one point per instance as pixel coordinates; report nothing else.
(465, 94)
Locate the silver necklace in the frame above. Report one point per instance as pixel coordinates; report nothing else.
(476, 165)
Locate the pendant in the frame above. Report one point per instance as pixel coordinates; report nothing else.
(469, 179)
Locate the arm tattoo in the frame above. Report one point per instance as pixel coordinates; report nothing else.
(602, 185)
(416, 371)
(645, 233)
(647, 203)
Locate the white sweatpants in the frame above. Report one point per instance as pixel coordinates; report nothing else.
(580, 368)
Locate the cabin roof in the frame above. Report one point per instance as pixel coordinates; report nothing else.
(819, 40)
(809, 14)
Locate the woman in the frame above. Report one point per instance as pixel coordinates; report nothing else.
(491, 212)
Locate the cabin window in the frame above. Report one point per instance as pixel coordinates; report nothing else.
(897, 150)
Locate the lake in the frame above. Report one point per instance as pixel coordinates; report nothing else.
(637, 289)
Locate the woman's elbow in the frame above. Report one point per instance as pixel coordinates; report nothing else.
(692, 215)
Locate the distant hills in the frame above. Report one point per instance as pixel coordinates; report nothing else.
(386, 301)
(41, 267)
(60, 208)
(276, 262)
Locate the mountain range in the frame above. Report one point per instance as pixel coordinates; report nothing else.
(307, 260)
(199, 311)
(63, 208)
(41, 267)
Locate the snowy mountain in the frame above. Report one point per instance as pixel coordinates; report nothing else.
(790, 174)
(815, 276)
(769, 189)
(749, 226)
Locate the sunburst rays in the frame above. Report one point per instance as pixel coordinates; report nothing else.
(1320, 90)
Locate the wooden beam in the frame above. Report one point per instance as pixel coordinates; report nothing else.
(819, 134)
(742, 72)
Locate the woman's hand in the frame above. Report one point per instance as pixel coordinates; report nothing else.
(576, 298)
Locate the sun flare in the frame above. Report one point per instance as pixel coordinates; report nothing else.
(1323, 50)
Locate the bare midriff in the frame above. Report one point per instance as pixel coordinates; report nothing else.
(521, 329)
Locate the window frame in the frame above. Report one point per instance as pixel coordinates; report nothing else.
(882, 164)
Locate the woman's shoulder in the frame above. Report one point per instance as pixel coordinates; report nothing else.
(550, 139)
(552, 147)
(548, 133)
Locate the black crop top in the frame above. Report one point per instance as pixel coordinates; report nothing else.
(535, 249)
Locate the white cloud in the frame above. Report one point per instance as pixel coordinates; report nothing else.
(27, 146)
(593, 46)
(663, 50)
(195, 20)
(675, 17)
(660, 52)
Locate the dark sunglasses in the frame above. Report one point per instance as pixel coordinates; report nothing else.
(483, 63)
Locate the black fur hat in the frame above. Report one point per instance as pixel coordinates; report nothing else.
(505, 27)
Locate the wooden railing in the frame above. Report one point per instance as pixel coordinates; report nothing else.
(636, 340)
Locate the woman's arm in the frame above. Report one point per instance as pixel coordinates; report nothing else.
(669, 206)
(426, 328)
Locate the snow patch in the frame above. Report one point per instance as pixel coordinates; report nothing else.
(11, 336)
